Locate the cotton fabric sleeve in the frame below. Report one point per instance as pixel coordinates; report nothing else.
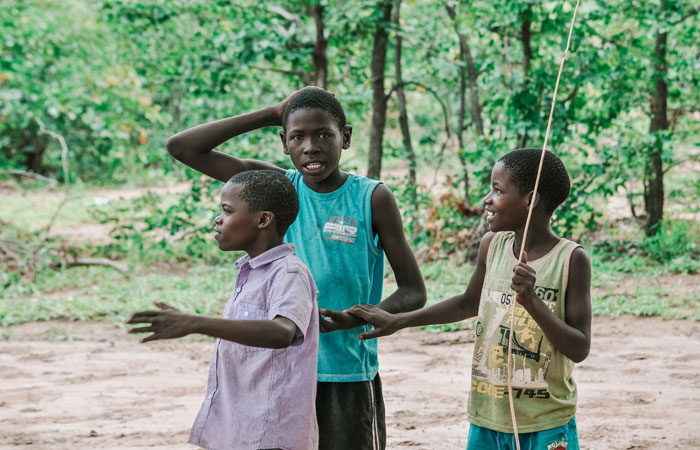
(292, 297)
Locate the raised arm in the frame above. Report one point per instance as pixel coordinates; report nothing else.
(452, 309)
(572, 337)
(195, 146)
(168, 323)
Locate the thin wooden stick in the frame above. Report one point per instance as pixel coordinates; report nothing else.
(527, 226)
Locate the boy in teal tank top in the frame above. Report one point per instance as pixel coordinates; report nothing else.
(346, 224)
(550, 291)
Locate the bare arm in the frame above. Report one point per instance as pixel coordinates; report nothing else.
(387, 224)
(169, 323)
(452, 309)
(195, 146)
(410, 293)
(573, 336)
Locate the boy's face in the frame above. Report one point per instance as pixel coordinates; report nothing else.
(506, 209)
(314, 141)
(235, 227)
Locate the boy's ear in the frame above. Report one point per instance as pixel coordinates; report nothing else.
(530, 199)
(265, 219)
(347, 136)
(283, 136)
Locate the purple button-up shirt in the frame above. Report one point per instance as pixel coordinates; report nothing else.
(261, 398)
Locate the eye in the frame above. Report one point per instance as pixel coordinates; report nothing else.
(297, 137)
(324, 135)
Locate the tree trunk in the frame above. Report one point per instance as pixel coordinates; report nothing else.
(466, 69)
(320, 60)
(376, 132)
(525, 38)
(403, 114)
(654, 176)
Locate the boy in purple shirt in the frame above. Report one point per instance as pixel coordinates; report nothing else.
(262, 379)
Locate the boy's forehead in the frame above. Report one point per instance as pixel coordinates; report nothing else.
(500, 171)
(308, 118)
(231, 191)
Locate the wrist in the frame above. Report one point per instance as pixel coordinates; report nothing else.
(273, 115)
(400, 321)
(195, 324)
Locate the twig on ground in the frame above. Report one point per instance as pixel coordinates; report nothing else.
(24, 173)
(96, 262)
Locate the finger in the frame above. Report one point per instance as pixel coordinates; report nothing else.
(332, 314)
(162, 306)
(360, 313)
(142, 317)
(373, 334)
(153, 337)
(141, 330)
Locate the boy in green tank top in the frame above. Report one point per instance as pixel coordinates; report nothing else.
(346, 224)
(552, 328)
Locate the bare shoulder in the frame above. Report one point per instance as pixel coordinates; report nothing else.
(386, 217)
(484, 247)
(580, 267)
(382, 197)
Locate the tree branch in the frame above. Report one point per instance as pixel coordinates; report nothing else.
(303, 76)
(24, 173)
(64, 148)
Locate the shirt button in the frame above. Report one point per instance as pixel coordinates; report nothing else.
(214, 360)
(238, 289)
(210, 396)
(245, 313)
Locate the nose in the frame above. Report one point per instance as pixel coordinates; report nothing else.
(487, 199)
(218, 220)
(309, 147)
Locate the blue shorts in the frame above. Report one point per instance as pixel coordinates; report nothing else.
(564, 437)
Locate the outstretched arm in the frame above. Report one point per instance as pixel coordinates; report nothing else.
(169, 323)
(573, 336)
(194, 146)
(452, 309)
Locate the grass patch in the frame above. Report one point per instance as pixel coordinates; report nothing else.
(101, 293)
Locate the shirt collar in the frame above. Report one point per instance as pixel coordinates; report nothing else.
(266, 257)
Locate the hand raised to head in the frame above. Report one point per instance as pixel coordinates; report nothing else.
(384, 322)
(166, 323)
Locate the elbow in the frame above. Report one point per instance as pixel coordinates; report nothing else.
(418, 299)
(580, 355)
(281, 340)
(174, 146)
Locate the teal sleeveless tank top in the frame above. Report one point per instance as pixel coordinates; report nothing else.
(333, 237)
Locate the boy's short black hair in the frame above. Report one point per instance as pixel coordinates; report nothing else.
(555, 184)
(269, 190)
(315, 98)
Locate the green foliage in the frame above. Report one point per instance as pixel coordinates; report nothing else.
(116, 78)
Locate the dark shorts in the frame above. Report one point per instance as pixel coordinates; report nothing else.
(564, 437)
(351, 415)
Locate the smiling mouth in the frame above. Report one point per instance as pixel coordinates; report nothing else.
(489, 215)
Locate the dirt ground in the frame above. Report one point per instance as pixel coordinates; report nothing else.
(98, 388)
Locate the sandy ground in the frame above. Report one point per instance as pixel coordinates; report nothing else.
(98, 388)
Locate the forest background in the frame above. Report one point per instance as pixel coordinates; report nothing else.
(97, 220)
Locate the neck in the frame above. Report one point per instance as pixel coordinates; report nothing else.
(328, 184)
(540, 240)
(263, 244)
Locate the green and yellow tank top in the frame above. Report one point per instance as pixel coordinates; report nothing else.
(544, 392)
